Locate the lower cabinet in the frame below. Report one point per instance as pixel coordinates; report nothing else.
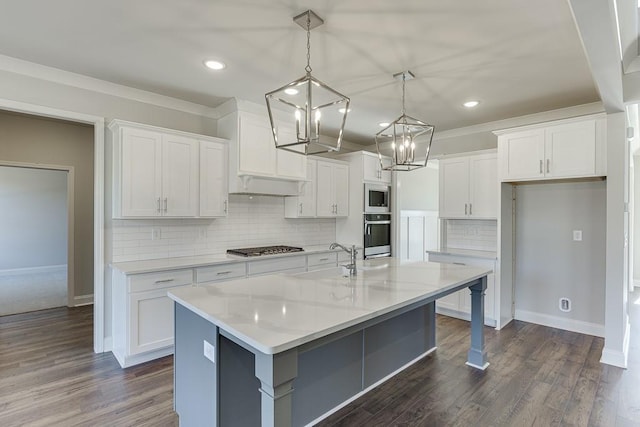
(459, 304)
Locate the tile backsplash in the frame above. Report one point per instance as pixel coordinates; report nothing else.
(479, 235)
(252, 221)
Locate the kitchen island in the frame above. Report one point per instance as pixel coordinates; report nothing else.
(286, 350)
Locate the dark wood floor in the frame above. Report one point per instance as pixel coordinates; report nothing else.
(538, 376)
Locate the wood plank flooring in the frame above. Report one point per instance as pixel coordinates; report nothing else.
(538, 376)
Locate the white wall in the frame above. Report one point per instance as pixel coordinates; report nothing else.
(636, 221)
(255, 221)
(33, 218)
(549, 264)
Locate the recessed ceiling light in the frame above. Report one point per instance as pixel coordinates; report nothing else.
(214, 65)
(291, 91)
(344, 110)
(383, 124)
(471, 104)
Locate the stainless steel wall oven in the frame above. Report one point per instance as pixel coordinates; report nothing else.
(377, 235)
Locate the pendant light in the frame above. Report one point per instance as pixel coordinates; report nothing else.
(304, 111)
(407, 141)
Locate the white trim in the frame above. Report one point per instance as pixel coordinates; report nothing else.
(371, 387)
(572, 325)
(56, 75)
(616, 357)
(108, 344)
(98, 205)
(82, 300)
(548, 123)
(31, 270)
(636, 283)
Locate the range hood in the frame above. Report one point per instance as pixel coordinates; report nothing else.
(255, 185)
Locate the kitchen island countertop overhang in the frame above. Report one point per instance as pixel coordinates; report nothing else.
(277, 312)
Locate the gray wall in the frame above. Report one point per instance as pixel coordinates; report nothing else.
(33, 218)
(38, 140)
(549, 264)
(464, 143)
(418, 189)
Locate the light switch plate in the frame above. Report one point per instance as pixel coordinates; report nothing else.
(209, 351)
(577, 235)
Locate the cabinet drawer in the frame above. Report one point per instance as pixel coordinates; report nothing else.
(161, 280)
(314, 260)
(220, 272)
(275, 265)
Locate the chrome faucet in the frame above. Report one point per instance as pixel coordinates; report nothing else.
(352, 253)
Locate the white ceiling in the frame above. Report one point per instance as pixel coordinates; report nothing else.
(517, 57)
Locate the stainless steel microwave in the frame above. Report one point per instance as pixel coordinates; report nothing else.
(377, 198)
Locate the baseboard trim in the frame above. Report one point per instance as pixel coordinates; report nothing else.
(108, 344)
(32, 270)
(579, 326)
(618, 358)
(82, 300)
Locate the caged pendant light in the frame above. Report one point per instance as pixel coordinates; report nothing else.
(302, 112)
(406, 140)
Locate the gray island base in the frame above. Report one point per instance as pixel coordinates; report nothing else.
(287, 350)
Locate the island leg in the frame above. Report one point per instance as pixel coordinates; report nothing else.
(276, 373)
(477, 356)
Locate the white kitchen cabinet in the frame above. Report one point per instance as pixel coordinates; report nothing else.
(332, 189)
(143, 314)
(458, 304)
(469, 187)
(372, 170)
(303, 205)
(288, 164)
(156, 172)
(213, 179)
(573, 148)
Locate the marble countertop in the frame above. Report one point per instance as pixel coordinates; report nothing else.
(466, 253)
(278, 312)
(153, 265)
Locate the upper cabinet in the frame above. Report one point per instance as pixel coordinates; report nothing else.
(158, 172)
(572, 148)
(214, 200)
(469, 187)
(303, 205)
(255, 165)
(372, 171)
(332, 189)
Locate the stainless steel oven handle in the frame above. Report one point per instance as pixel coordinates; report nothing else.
(377, 222)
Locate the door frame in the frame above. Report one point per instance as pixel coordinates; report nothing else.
(98, 204)
(70, 217)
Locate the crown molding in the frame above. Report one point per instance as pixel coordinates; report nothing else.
(545, 116)
(67, 78)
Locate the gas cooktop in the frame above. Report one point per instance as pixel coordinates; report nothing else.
(263, 250)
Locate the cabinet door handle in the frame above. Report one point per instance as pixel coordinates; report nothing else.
(165, 205)
(540, 166)
(459, 263)
(465, 209)
(225, 206)
(164, 281)
(548, 162)
(222, 273)
(300, 208)
(470, 208)
(323, 259)
(158, 204)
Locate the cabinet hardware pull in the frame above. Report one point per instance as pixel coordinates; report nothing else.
(323, 259)
(221, 273)
(164, 281)
(470, 208)
(465, 208)
(165, 205)
(225, 206)
(158, 204)
(300, 208)
(541, 166)
(548, 161)
(459, 263)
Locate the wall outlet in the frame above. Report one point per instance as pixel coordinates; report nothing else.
(209, 351)
(155, 233)
(577, 235)
(565, 305)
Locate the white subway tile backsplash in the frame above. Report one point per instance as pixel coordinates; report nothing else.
(252, 221)
(481, 235)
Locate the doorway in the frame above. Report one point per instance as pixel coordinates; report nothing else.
(36, 248)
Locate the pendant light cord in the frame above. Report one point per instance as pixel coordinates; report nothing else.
(308, 67)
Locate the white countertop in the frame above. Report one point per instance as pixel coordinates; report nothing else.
(279, 312)
(466, 252)
(153, 265)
